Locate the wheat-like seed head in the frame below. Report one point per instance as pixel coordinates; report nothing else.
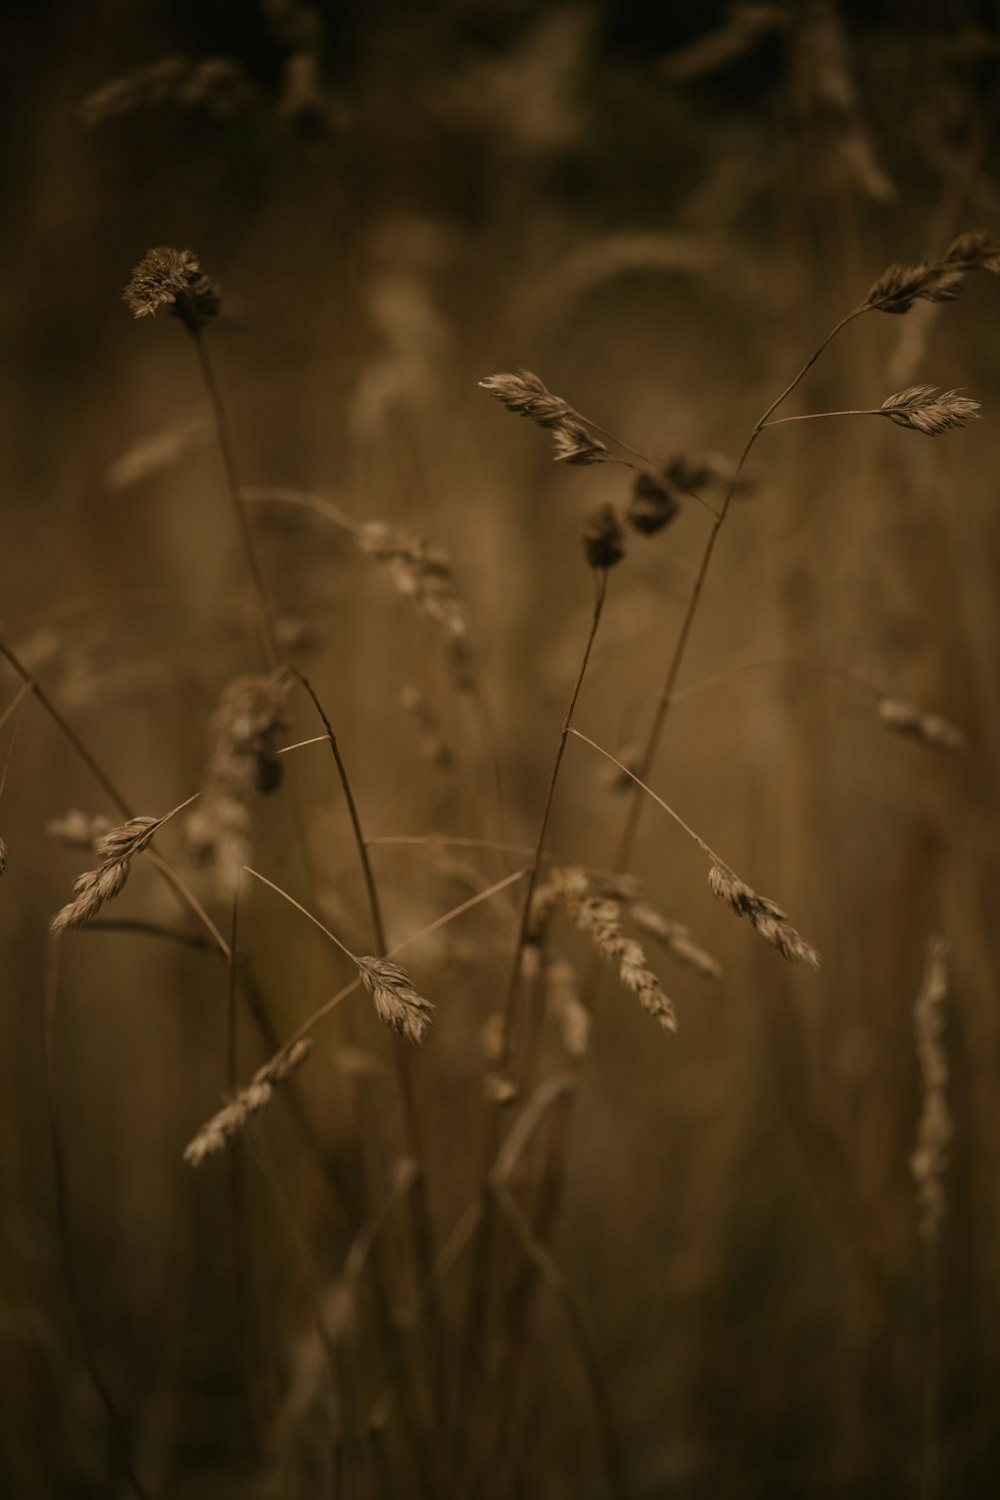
(976, 250)
(227, 1122)
(900, 286)
(930, 411)
(527, 396)
(573, 444)
(117, 847)
(763, 915)
(397, 1003)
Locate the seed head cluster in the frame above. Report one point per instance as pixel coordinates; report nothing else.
(397, 1003)
(174, 279)
(217, 1132)
(763, 915)
(117, 848)
(926, 409)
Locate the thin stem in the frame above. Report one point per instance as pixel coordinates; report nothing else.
(422, 1224)
(305, 912)
(627, 843)
(110, 790)
(479, 1280)
(114, 1419)
(814, 416)
(641, 785)
(271, 650)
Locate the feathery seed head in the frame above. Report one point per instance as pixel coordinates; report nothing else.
(397, 1003)
(900, 286)
(930, 411)
(172, 278)
(527, 396)
(573, 444)
(976, 250)
(763, 915)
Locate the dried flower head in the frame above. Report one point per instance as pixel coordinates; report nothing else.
(243, 767)
(172, 278)
(930, 411)
(603, 538)
(929, 730)
(767, 918)
(118, 847)
(397, 1003)
(217, 1132)
(653, 503)
(930, 1156)
(900, 286)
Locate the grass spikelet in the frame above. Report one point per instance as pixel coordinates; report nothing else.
(573, 444)
(900, 286)
(118, 847)
(599, 917)
(926, 409)
(763, 915)
(930, 1155)
(422, 573)
(976, 250)
(929, 730)
(397, 1003)
(172, 278)
(217, 1132)
(527, 396)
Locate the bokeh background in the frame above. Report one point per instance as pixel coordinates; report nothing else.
(661, 209)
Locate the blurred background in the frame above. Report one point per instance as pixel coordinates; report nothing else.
(661, 210)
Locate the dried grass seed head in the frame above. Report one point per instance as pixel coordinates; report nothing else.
(573, 444)
(975, 250)
(172, 278)
(527, 396)
(929, 730)
(653, 503)
(117, 848)
(603, 538)
(227, 1122)
(900, 286)
(926, 409)
(397, 1003)
(763, 915)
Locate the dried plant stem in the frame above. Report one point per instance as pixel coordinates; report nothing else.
(930, 1445)
(475, 1317)
(627, 843)
(114, 1419)
(242, 1238)
(271, 651)
(179, 886)
(418, 1196)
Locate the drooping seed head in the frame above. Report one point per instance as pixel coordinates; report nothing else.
(652, 504)
(397, 1003)
(573, 444)
(763, 915)
(527, 396)
(900, 286)
(976, 250)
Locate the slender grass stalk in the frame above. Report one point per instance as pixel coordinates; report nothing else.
(475, 1316)
(421, 1220)
(116, 1425)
